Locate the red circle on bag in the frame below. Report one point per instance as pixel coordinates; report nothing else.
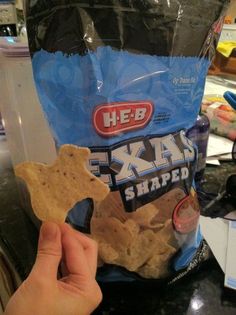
(186, 215)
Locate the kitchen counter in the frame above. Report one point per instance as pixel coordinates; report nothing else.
(200, 293)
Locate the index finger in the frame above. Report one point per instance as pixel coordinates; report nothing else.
(75, 258)
(90, 246)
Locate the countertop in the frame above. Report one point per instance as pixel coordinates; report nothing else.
(200, 293)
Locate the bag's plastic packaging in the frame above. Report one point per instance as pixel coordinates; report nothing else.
(126, 78)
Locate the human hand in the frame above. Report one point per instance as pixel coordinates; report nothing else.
(75, 294)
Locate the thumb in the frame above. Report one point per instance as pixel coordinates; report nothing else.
(49, 251)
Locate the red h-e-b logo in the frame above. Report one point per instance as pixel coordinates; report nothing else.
(114, 118)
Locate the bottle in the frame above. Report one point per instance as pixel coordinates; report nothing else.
(199, 135)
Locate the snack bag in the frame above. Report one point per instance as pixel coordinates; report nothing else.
(125, 78)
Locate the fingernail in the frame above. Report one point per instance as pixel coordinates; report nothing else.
(49, 231)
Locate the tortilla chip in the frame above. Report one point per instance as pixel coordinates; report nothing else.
(55, 189)
(138, 252)
(157, 265)
(111, 231)
(111, 206)
(143, 240)
(144, 216)
(133, 227)
(106, 253)
(166, 204)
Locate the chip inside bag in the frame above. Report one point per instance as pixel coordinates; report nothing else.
(126, 79)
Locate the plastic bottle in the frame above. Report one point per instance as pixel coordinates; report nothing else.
(199, 134)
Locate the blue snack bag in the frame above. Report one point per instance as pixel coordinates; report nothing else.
(126, 79)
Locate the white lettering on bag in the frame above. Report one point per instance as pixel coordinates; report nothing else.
(128, 161)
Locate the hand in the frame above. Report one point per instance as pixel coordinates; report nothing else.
(75, 294)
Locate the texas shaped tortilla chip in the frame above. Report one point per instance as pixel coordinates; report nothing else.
(55, 189)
